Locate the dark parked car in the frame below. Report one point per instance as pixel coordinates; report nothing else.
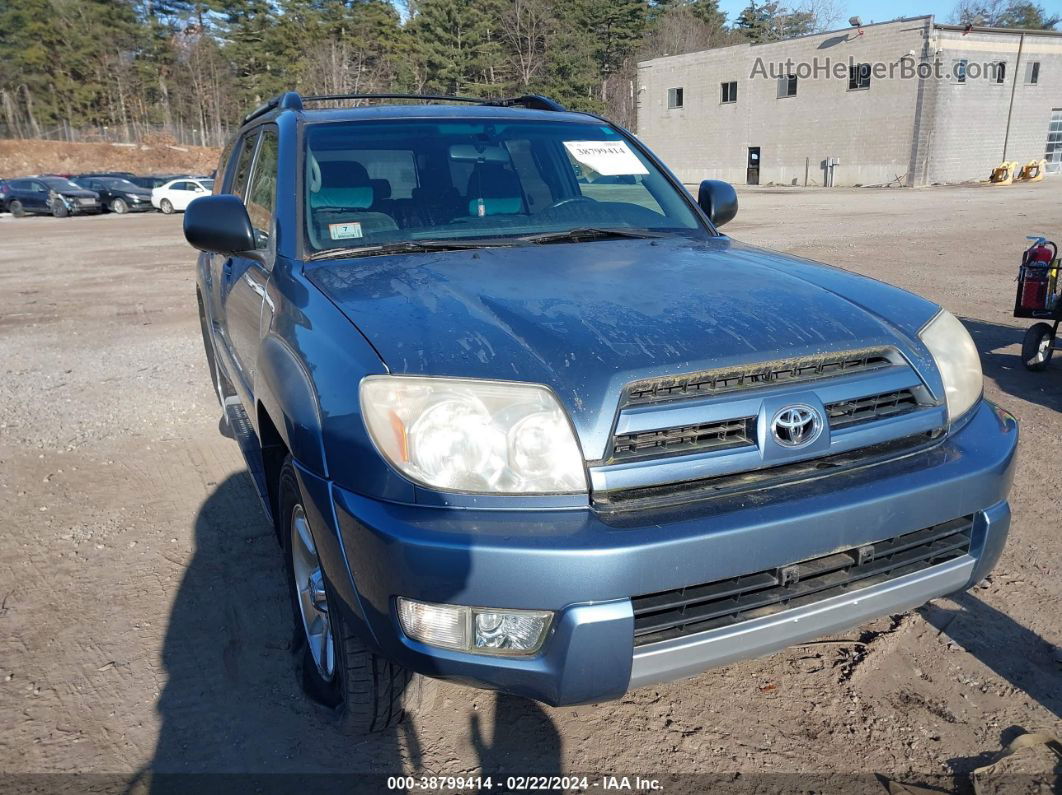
(120, 174)
(555, 434)
(154, 180)
(47, 196)
(118, 195)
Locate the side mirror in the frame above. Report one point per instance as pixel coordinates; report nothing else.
(719, 201)
(219, 225)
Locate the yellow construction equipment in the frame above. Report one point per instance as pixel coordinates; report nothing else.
(1033, 171)
(1004, 173)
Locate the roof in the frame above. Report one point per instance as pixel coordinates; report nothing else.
(378, 112)
(1011, 31)
(293, 101)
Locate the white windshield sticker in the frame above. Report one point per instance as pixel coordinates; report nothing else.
(608, 158)
(344, 231)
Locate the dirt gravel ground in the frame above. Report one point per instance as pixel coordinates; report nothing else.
(144, 625)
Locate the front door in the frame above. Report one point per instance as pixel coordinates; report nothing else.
(753, 173)
(244, 279)
(33, 194)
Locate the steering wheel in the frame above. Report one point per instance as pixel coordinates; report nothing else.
(570, 200)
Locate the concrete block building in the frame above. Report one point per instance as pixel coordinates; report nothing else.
(907, 102)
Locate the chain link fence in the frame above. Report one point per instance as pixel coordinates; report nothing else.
(131, 134)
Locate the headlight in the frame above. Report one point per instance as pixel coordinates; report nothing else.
(957, 360)
(478, 436)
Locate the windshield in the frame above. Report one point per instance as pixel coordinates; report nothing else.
(371, 184)
(207, 183)
(58, 183)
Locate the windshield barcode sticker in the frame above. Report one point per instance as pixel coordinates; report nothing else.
(344, 231)
(607, 158)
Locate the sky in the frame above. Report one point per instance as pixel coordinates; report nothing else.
(870, 11)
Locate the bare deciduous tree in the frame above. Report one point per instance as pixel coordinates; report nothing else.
(527, 25)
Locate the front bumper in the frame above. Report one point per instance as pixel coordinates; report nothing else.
(587, 568)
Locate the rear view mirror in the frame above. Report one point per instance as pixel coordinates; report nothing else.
(719, 201)
(219, 225)
(471, 153)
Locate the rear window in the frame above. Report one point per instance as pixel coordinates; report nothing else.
(370, 183)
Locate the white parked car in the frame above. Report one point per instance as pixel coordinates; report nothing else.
(176, 194)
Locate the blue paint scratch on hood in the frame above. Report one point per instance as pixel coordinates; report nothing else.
(588, 318)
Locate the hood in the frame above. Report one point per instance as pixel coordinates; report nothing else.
(79, 194)
(588, 318)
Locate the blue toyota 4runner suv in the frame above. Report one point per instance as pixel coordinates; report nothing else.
(525, 420)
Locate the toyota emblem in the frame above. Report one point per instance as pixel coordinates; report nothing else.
(796, 426)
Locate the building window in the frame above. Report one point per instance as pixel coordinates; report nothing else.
(960, 70)
(674, 98)
(787, 86)
(729, 91)
(1032, 73)
(858, 76)
(999, 73)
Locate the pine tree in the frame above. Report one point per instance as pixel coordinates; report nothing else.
(761, 22)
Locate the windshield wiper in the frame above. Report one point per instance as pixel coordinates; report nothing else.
(590, 233)
(406, 246)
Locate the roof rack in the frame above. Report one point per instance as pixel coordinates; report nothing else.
(292, 100)
(289, 100)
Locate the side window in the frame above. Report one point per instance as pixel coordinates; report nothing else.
(179, 186)
(224, 166)
(243, 165)
(261, 197)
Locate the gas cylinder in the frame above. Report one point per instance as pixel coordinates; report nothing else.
(1035, 278)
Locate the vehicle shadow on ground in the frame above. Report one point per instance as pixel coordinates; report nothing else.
(232, 703)
(525, 741)
(1006, 368)
(1012, 651)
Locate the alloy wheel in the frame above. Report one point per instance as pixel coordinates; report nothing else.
(311, 596)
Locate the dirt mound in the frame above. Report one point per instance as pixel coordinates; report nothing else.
(20, 157)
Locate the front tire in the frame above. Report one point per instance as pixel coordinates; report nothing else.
(119, 206)
(166, 206)
(1038, 347)
(367, 693)
(59, 209)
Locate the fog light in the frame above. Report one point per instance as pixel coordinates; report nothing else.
(475, 629)
(436, 625)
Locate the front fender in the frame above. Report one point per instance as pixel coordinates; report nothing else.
(285, 390)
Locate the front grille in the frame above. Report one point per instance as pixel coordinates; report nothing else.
(669, 495)
(713, 382)
(868, 409)
(698, 608)
(723, 435)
